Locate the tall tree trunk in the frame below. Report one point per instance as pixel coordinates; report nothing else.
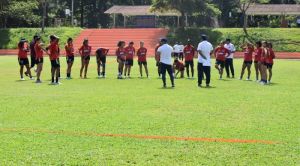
(81, 13)
(245, 24)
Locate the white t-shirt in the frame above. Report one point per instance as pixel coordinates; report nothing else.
(181, 48)
(165, 54)
(231, 48)
(176, 48)
(206, 48)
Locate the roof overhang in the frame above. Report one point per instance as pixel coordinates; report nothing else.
(274, 9)
(139, 11)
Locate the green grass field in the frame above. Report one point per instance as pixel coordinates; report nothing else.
(61, 125)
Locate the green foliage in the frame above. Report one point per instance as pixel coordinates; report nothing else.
(10, 37)
(284, 39)
(233, 109)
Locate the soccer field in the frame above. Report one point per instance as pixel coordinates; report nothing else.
(124, 122)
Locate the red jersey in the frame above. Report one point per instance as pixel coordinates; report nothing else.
(264, 55)
(220, 53)
(179, 66)
(53, 51)
(130, 52)
(142, 53)
(248, 52)
(120, 53)
(189, 52)
(69, 50)
(23, 51)
(258, 53)
(85, 50)
(157, 58)
(38, 51)
(271, 56)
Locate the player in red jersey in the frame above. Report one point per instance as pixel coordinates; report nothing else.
(220, 54)
(53, 51)
(157, 59)
(101, 61)
(258, 52)
(270, 61)
(248, 50)
(85, 52)
(178, 67)
(263, 65)
(23, 59)
(39, 58)
(142, 59)
(189, 53)
(69, 56)
(121, 58)
(130, 53)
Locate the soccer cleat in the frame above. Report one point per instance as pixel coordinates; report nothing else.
(173, 86)
(22, 79)
(31, 78)
(99, 76)
(52, 83)
(38, 81)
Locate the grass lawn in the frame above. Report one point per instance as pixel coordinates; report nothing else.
(43, 124)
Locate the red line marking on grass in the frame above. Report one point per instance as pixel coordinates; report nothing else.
(195, 139)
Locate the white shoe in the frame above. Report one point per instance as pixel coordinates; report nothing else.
(103, 76)
(22, 79)
(240, 79)
(262, 83)
(58, 83)
(31, 78)
(220, 78)
(99, 76)
(38, 81)
(247, 79)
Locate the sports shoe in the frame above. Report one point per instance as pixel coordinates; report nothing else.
(52, 83)
(57, 83)
(22, 79)
(241, 79)
(31, 78)
(38, 81)
(99, 76)
(248, 79)
(262, 83)
(173, 86)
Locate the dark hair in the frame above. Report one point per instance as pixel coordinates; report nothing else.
(270, 45)
(84, 41)
(35, 37)
(120, 43)
(164, 40)
(21, 44)
(131, 42)
(228, 40)
(70, 39)
(258, 43)
(203, 37)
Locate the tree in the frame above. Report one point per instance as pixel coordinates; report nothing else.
(186, 7)
(244, 5)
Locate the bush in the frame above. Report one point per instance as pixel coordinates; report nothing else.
(10, 37)
(283, 39)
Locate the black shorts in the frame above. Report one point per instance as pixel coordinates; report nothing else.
(86, 58)
(248, 62)
(221, 63)
(129, 62)
(181, 54)
(269, 65)
(176, 54)
(70, 59)
(255, 62)
(23, 61)
(142, 63)
(189, 63)
(39, 60)
(101, 59)
(55, 63)
(33, 60)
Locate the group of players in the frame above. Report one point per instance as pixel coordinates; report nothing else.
(183, 59)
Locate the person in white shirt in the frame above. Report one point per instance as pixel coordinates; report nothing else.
(181, 48)
(205, 50)
(165, 53)
(229, 59)
(176, 48)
